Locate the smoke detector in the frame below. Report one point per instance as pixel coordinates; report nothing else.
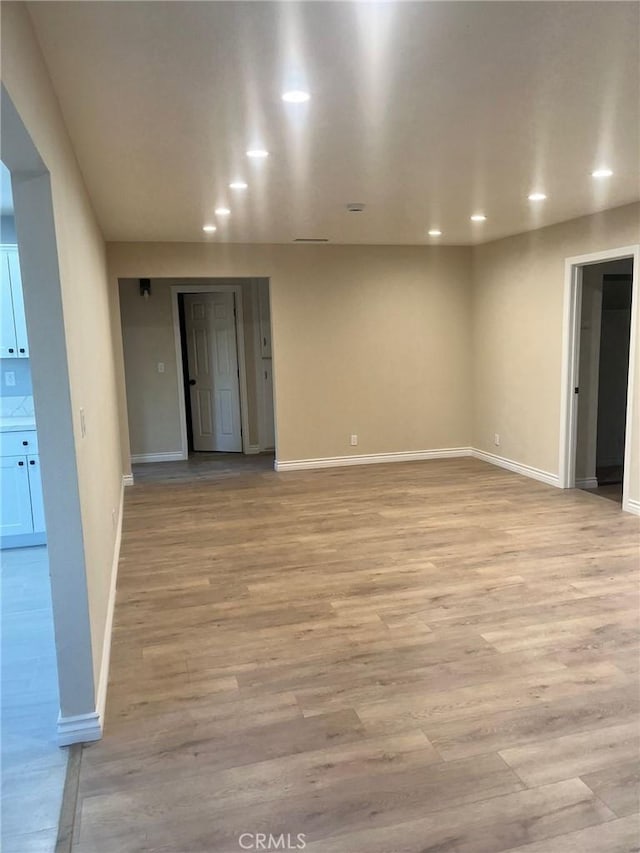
(355, 207)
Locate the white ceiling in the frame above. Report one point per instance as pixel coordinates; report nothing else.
(426, 112)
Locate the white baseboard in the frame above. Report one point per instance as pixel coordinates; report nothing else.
(370, 459)
(81, 728)
(127, 479)
(417, 455)
(587, 483)
(171, 456)
(517, 467)
(632, 506)
(101, 693)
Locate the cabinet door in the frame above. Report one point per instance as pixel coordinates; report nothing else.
(35, 487)
(8, 345)
(264, 315)
(15, 514)
(19, 317)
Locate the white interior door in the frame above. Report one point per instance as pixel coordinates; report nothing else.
(213, 371)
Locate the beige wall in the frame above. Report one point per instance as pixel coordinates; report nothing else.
(370, 340)
(87, 309)
(518, 287)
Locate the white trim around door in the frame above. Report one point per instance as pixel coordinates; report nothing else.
(236, 289)
(571, 359)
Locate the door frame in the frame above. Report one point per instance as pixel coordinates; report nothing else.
(236, 289)
(261, 397)
(571, 362)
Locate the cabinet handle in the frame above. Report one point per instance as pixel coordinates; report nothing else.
(264, 342)
(10, 349)
(21, 349)
(32, 462)
(25, 443)
(21, 464)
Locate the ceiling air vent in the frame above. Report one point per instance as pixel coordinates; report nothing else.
(311, 240)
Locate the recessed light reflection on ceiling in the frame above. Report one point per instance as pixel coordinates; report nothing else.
(222, 211)
(296, 96)
(601, 173)
(209, 228)
(435, 232)
(478, 217)
(537, 197)
(257, 153)
(238, 185)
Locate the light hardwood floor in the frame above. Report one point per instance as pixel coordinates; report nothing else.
(439, 657)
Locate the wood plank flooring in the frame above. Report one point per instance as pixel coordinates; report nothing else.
(411, 658)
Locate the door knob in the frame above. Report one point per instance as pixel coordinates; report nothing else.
(192, 382)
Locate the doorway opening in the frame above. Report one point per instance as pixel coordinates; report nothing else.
(222, 331)
(601, 335)
(198, 358)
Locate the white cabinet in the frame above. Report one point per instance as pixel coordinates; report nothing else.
(22, 519)
(13, 325)
(8, 343)
(35, 489)
(16, 496)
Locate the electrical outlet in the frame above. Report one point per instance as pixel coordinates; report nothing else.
(496, 440)
(10, 378)
(83, 423)
(114, 517)
(354, 440)
(161, 367)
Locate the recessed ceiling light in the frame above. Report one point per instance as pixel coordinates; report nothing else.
(209, 228)
(478, 217)
(257, 153)
(238, 185)
(435, 232)
(296, 96)
(537, 197)
(222, 211)
(601, 173)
